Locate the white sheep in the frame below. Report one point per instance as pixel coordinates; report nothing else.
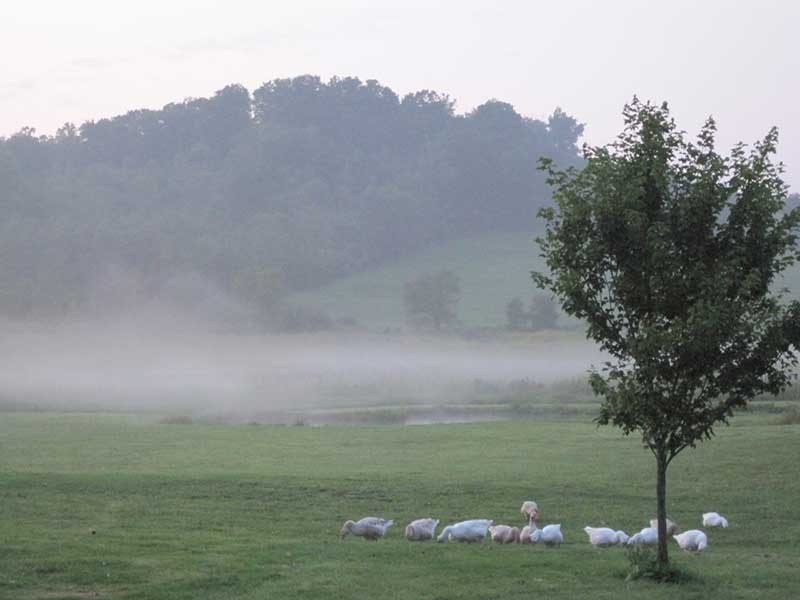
(421, 529)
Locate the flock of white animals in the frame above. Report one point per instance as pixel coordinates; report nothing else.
(475, 530)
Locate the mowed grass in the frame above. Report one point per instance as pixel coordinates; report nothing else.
(206, 511)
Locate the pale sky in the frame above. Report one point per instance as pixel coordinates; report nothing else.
(738, 61)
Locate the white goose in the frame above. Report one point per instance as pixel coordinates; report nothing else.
(693, 540)
(466, 531)
(421, 529)
(525, 534)
(672, 526)
(530, 510)
(550, 534)
(605, 536)
(370, 528)
(712, 519)
(504, 534)
(647, 536)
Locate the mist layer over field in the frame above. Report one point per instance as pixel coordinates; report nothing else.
(159, 366)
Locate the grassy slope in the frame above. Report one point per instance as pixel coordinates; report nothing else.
(253, 512)
(493, 269)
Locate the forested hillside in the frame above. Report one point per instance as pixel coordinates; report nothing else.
(243, 198)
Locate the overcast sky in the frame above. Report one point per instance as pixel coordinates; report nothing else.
(738, 61)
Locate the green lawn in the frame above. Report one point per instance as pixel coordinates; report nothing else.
(203, 511)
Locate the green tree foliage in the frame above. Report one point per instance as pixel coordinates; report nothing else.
(541, 315)
(668, 250)
(432, 299)
(793, 202)
(516, 315)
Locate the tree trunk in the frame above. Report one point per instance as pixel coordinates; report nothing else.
(661, 501)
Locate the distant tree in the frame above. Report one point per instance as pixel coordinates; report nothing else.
(542, 314)
(433, 297)
(668, 251)
(793, 202)
(428, 112)
(67, 131)
(516, 316)
(565, 132)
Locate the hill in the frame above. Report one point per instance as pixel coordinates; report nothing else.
(243, 202)
(250, 197)
(492, 270)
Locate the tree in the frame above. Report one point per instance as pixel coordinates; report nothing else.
(432, 296)
(542, 314)
(793, 201)
(516, 316)
(668, 251)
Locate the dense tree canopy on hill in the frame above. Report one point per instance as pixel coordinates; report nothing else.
(295, 185)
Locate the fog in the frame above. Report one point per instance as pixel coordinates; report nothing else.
(164, 365)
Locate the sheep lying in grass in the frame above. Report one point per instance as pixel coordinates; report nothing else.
(370, 528)
(693, 540)
(672, 526)
(604, 537)
(466, 531)
(529, 510)
(421, 529)
(504, 534)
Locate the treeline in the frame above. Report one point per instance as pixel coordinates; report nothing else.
(242, 197)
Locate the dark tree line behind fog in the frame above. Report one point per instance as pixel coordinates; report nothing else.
(255, 195)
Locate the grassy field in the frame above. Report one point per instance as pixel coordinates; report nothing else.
(492, 268)
(205, 511)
